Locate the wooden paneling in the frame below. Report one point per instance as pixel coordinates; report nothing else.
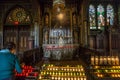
(19, 35)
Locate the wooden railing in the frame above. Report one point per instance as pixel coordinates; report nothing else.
(31, 57)
(85, 54)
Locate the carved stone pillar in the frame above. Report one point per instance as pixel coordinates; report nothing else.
(36, 34)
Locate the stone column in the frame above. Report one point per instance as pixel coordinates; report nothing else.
(36, 34)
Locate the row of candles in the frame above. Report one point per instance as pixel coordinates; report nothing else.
(110, 75)
(54, 67)
(64, 78)
(71, 66)
(62, 72)
(106, 71)
(28, 71)
(65, 69)
(58, 73)
(104, 60)
(106, 67)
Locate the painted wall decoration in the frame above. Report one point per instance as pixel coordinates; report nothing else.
(18, 14)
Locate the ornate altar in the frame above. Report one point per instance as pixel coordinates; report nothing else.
(60, 37)
(57, 52)
(58, 44)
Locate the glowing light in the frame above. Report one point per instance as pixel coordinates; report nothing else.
(60, 16)
(16, 22)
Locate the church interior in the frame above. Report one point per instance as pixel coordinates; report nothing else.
(63, 39)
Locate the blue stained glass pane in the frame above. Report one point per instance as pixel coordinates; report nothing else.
(101, 18)
(110, 15)
(92, 17)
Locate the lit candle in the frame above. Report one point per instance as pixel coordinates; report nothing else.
(92, 60)
(96, 60)
(68, 78)
(72, 78)
(105, 60)
(52, 77)
(113, 61)
(56, 78)
(81, 78)
(109, 61)
(75, 78)
(85, 78)
(117, 60)
(40, 78)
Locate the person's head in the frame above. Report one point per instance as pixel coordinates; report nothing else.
(11, 46)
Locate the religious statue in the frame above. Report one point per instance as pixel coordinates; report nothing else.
(74, 19)
(46, 19)
(46, 37)
(61, 41)
(101, 20)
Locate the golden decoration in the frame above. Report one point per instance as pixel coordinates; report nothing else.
(19, 15)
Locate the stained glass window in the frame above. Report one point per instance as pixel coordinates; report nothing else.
(101, 16)
(119, 13)
(92, 17)
(110, 15)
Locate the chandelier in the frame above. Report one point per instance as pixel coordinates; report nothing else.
(58, 5)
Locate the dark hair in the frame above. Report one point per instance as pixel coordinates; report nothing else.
(10, 45)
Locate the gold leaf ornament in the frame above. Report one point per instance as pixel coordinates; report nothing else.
(19, 15)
